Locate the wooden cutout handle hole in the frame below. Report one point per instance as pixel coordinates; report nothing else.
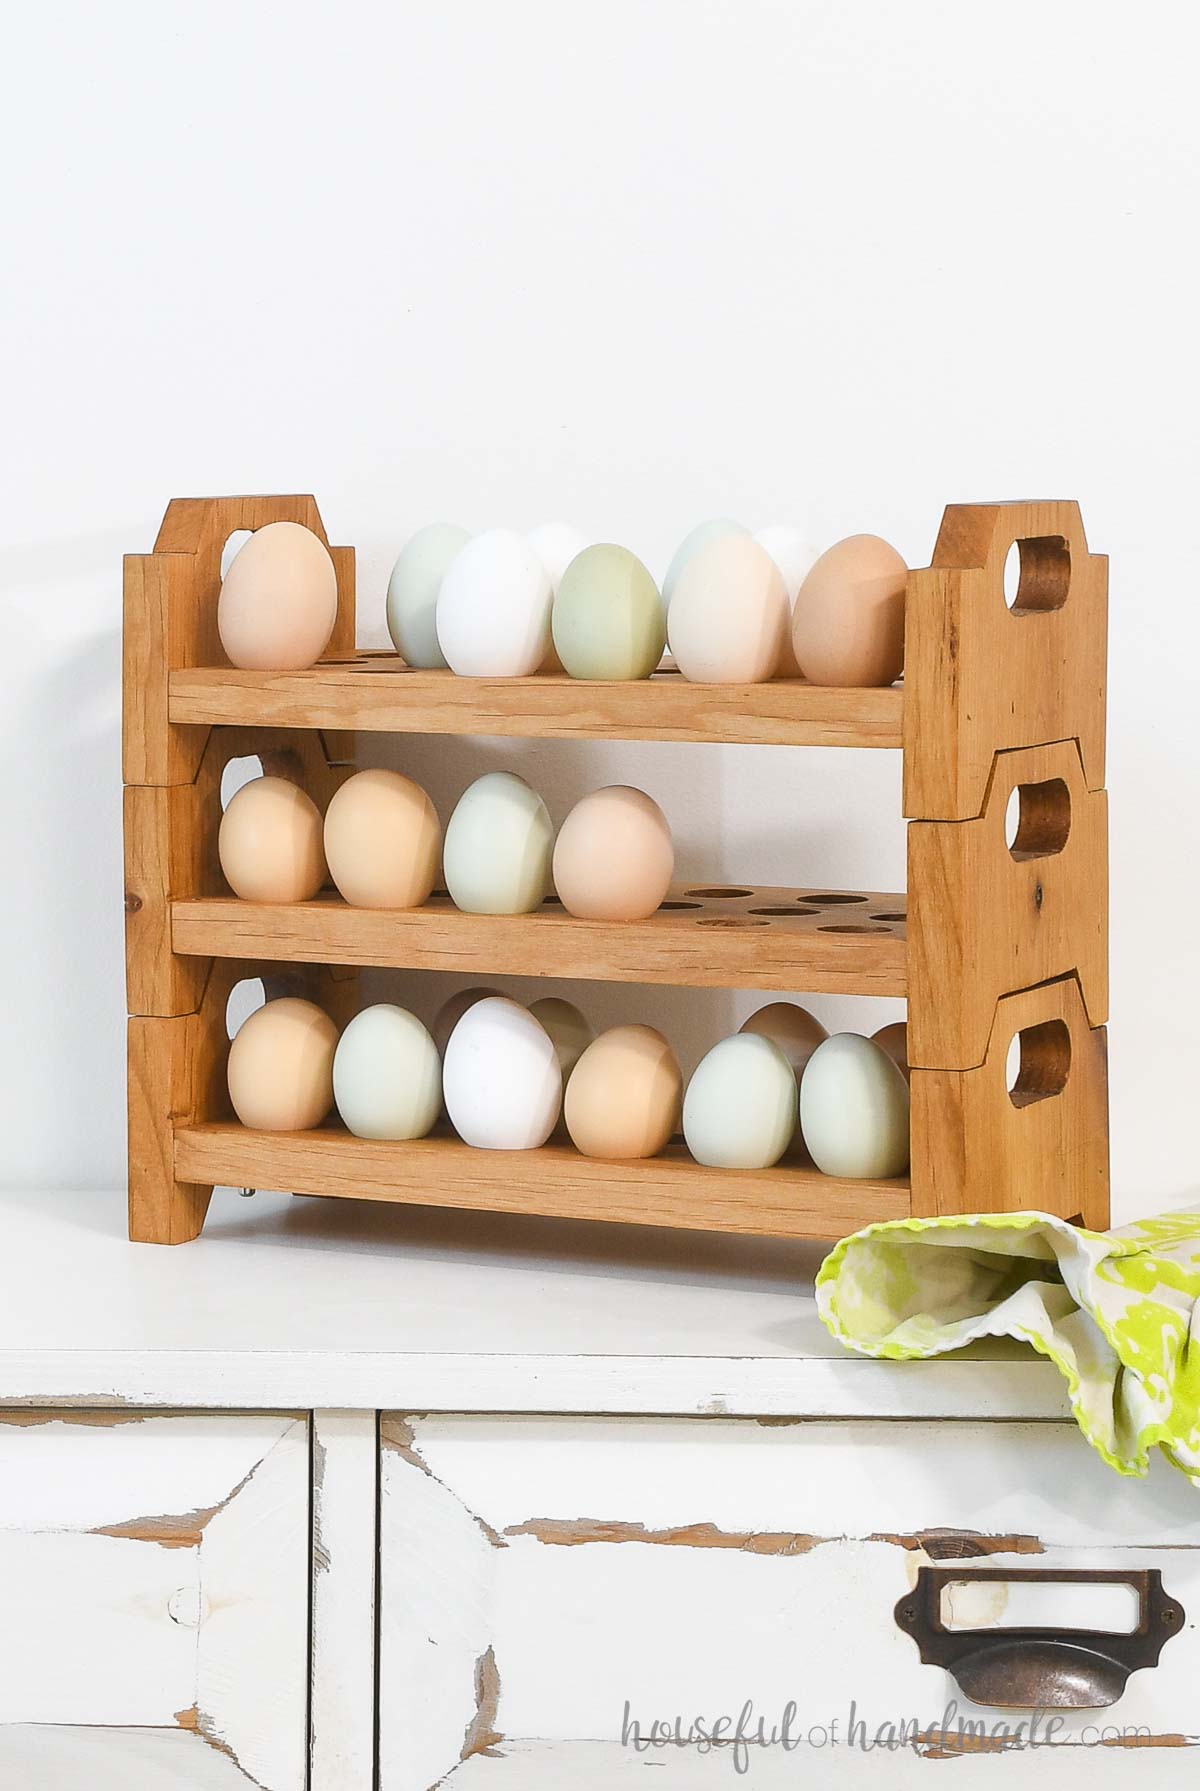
(1037, 821)
(1037, 574)
(1039, 1062)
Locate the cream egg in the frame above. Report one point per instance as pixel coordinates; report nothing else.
(500, 1077)
(623, 1097)
(854, 1109)
(848, 621)
(614, 859)
(381, 841)
(739, 1111)
(570, 1033)
(729, 613)
(696, 538)
(412, 592)
(280, 1069)
(278, 600)
(452, 1011)
(269, 842)
(607, 621)
(794, 554)
(493, 608)
(894, 1040)
(496, 856)
(387, 1075)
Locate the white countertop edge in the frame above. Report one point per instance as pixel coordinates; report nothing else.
(688, 1386)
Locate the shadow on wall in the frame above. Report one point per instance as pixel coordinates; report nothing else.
(63, 1047)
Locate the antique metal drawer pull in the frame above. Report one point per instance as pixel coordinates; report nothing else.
(1046, 1668)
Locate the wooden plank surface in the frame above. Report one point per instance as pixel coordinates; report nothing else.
(377, 692)
(827, 942)
(787, 1201)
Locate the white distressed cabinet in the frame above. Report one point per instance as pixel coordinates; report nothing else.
(338, 1500)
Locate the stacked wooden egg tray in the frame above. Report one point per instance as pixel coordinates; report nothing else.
(1006, 935)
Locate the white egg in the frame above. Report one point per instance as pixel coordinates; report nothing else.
(556, 544)
(493, 608)
(739, 1111)
(501, 1078)
(497, 851)
(854, 1109)
(792, 552)
(700, 536)
(387, 1076)
(729, 614)
(413, 588)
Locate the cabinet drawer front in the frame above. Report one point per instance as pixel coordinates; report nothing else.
(547, 1583)
(153, 1599)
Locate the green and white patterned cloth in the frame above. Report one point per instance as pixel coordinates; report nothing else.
(1116, 1312)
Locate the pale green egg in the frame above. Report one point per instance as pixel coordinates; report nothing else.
(496, 853)
(413, 592)
(607, 621)
(739, 1111)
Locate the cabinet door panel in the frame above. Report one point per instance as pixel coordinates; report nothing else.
(543, 1580)
(154, 1608)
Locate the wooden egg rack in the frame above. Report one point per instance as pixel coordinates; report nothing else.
(994, 941)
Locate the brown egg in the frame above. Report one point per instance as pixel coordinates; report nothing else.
(793, 1028)
(894, 1040)
(613, 859)
(452, 1011)
(270, 843)
(382, 841)
(281, 1066)
(278, 600)
(848, 623)
(625, 1095)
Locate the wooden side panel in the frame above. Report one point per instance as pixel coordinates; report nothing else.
(981, 677)
(154, 1582)
(547, 1582)
(171, 855)
(985, 920)
(1044, 1146)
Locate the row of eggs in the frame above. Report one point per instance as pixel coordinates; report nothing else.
(381, 842)
(735, 608)
(506, 1075)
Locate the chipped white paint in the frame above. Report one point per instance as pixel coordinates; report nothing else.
(153, 1578)
(344, 1557)
(690, 1566)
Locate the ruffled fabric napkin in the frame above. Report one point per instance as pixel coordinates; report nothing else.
(1116, 1312)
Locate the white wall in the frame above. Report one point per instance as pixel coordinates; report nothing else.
(627, 263)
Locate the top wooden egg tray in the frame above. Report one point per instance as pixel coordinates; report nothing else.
(1000, 937)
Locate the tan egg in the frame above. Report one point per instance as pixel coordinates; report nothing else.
(281, 1066)
(793, 1028)
(613, 859)
(452, 1011)
(270, 843)
(278, 601)
(728, 613)
(382, 841)
(848, 623)
(894, 1040)
(625, 1095)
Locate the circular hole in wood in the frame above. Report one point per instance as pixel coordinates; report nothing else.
(832, 901)
(1037, 574)
(890, 917)
(715, 894)
(1038, 1063)
(788, 913)
(1037, 819)
(851, 929)
(245, 998)
(233, 546)
(552, 901)
(729, 920)
(677, 905)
